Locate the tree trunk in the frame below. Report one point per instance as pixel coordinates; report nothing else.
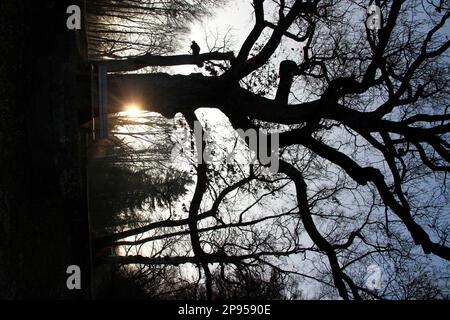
(163, 93)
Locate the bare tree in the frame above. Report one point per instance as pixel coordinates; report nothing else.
(122, 28)
(363, 122)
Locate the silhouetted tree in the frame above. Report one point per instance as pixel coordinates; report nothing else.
(363, 125)
(125, 185)
(131, 27)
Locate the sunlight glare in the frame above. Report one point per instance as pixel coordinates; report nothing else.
(132, 110)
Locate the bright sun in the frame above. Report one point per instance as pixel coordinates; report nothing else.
(132, 110)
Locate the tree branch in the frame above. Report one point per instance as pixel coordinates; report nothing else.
(136, 63)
